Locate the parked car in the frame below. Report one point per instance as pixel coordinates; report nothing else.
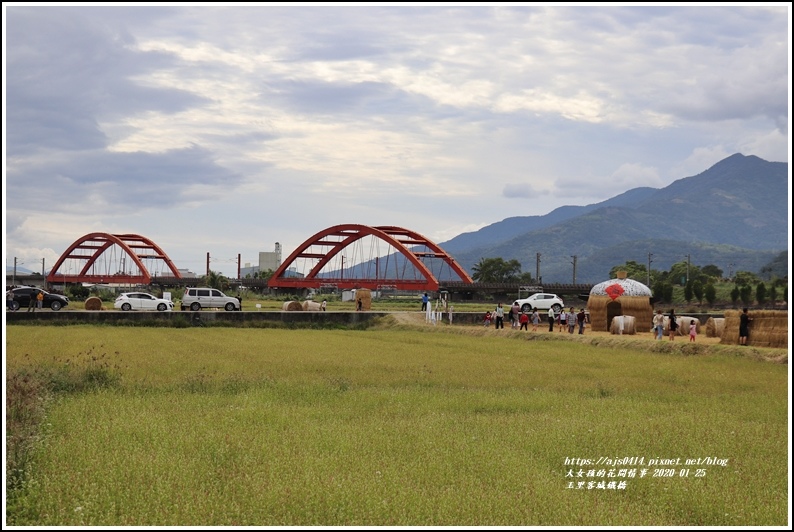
(541, 302)
(23, 294)
(142, 301)
(196, 299)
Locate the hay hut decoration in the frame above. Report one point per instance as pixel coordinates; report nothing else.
(620, 297)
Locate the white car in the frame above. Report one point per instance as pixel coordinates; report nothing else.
(142, 301)
(196, 299)
(541, 302)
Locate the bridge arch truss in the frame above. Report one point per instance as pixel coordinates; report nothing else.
(360, 256)
(102, 258)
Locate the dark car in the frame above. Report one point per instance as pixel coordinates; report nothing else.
(22, 298)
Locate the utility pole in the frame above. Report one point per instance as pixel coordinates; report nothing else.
(574, 268)
(649, 268)
(537, 267)
(208, 265)
(43, 274)
(238, 265)
(14, 275)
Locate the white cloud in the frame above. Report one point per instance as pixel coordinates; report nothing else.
(282, 120)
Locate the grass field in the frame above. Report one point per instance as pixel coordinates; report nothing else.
(397, 426)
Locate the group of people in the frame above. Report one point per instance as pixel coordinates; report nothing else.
(519, 319)
(673, 325)
(33, 302)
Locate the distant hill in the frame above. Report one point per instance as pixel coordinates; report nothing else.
(519, 225)
(20, 270)
(735, 213)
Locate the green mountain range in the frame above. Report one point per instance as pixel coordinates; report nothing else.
(733, 215)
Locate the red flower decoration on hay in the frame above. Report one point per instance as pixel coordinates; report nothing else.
(614, 291)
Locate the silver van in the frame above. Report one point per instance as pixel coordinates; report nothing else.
(196, 299)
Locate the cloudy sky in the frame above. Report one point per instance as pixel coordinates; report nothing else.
(223, 130)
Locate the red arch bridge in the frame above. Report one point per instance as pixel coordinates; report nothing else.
(102, 258)
(359, 256)
(343, 257)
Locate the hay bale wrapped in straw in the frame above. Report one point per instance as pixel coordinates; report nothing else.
(93, 303)
(291, 306)
(365, 295)
(629, 325)
(768, 328)
(310, 305)
(714, 327)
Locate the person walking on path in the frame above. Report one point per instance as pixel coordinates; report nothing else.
(500, 317)
(562, 319)
(425, 300)
(581, 319)
(658, 324)
(40, 300)
(744, 326)
(32, 303)
(524, 319)
(571, 321)
(673, 324)
(551, 320)
(535, 319)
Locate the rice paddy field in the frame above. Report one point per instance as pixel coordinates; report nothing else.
(398, 425)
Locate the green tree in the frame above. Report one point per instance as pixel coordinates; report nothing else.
(712, 271)
(678, 273)
(697, 290)
(688, 291)
(663, 291)
(216, 280)
(79, 291)
(746, 294)
(773, 294)
(526, 278)
(743, 278)
(633, 269)
(710, 293)
(760, 293)
(735, 293)
(496, 270)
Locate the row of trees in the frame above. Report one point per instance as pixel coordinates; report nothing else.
(699, 282)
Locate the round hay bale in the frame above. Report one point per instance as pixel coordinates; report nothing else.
(310, 305)
(93, 303)
(291, 306)
(629, 325)
(714, 327)
(683, 324)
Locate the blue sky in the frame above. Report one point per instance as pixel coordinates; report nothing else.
(223, 129)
